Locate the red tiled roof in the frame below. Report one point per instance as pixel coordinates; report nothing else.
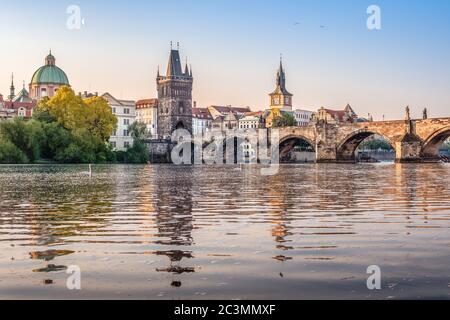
(229, 109)
(17, 105)
(254, 114)
(147, 103)
(337, 114)
(202, 113)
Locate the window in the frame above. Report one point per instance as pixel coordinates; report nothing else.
(114, 110)
(126, 122)
(114, 133)
(126, 144)
(43, 92)
(126, 133)
(114, 144)
(181, 107)
(126, 110)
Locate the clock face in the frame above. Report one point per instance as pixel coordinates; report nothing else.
(276, 101)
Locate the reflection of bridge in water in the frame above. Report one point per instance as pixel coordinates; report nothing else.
(412, 140)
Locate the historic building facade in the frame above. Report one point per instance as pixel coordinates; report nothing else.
(147, 113)
(303, 117)
(347, 115)
(17, 105)
(249, 122)
(201, 121)
(125, 112)
(47, 79)
(174, 97)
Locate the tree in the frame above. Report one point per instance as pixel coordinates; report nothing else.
(285, 120)
(77, 130)
(139, 152)
(28, 137)
(375, 145)
(9, 153)
(74, 113)
(100, 118)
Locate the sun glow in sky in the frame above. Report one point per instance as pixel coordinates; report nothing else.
(330, 56)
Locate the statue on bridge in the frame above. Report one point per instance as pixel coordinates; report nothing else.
(425, 114)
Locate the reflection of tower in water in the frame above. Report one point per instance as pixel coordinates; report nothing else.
(281, 227)
(174, 218)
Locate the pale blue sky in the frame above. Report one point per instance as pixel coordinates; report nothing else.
(234, 48)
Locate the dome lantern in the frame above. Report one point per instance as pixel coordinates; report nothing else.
(50, 59)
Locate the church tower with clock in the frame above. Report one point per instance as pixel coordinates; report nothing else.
(281, 99)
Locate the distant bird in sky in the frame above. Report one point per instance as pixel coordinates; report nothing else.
(323, 27)
(296, 23)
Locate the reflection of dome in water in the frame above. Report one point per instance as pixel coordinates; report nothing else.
(47, 79)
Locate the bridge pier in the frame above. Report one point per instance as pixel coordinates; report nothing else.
(408, 149)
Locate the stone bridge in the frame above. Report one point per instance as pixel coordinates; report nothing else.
(413, 140)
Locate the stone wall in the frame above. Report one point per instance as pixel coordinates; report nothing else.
(160, 151)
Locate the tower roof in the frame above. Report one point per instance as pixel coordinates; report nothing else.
(174, 66)
(281, 82)
(22, 96)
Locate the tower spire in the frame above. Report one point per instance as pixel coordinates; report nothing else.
(12, 89)
(186, 68)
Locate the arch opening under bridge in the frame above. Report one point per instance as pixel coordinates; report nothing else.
(297, 149)
(365, 146)
(434, 148)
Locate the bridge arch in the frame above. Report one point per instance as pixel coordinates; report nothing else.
(345, 151)
(434, 142)
(305, 145)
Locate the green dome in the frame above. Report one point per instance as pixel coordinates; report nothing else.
(50, 74)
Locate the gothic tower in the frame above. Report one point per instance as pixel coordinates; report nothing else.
(281, 99)
(174, 97)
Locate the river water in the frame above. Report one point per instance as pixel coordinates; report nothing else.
(166, 232)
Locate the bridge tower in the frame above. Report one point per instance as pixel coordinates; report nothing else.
(174, 97)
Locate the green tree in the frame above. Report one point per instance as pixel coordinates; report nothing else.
(73, 113)
(139, 152)
(76, 130)
(286, 120)
(375, 145)
(10, 154)
(27, 136)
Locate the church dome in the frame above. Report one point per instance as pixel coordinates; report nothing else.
(50, 73)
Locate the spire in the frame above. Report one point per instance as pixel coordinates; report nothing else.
(281, 61)
(281, 81)
(190, 71)
(159, 75)
(186, 69)
(12, 89)
(281, 77)
(174, 66)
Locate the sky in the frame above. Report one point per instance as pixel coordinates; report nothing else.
(330, 56)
